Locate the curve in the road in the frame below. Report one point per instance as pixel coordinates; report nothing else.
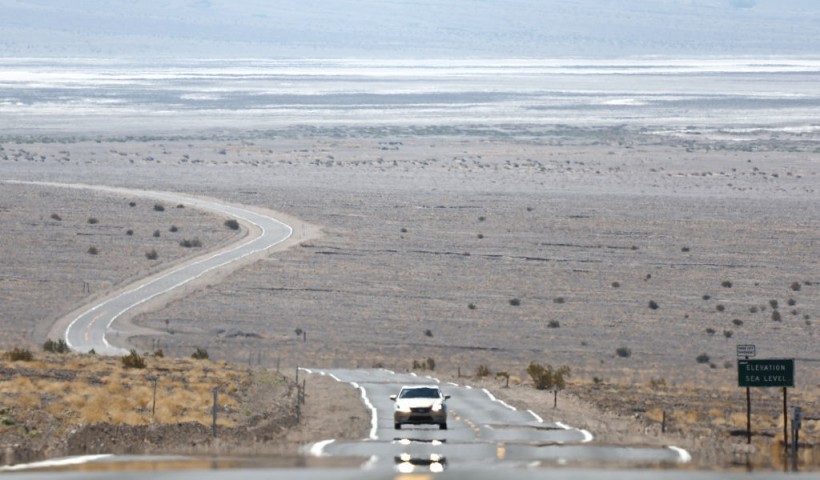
(483, 431)
(88, 330)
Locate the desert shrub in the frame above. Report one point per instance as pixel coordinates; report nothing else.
(623, 352)
(471, 306)
(151, 254)
(60, 346)
(727, 333)
(706, 297)
(129, 232)
(93, 221)
(428, 333)
(55, 216)
(133, 360)
(737, 322)
(795, 286)
(159, 353)
(653, 305)
(752, 309)
(431, 364)
(616, 284)
(597, 380)
(179, 205)
(132, 204)
(480, 236)
(93, 250)
(403, 230)
(195, 243)
(173, 229)
(710, 330)
(776, 316)
(728, 364)
(156, 233)
(515, 302)
(558, 300)
(158, 207)
(200, 354)
(547, 378)
(481, 219)
(702, 358)
(657, 383)
(554, 324)
(726, 284)
(20, 355)
(773, 303)
(684, 249)
(720, 307)
(482, 371)
(232, 224)
(792, 302)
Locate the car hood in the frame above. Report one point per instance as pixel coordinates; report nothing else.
(418, 402)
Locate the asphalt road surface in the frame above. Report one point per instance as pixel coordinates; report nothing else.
(483, 432)
(89, 330)
(486, 439)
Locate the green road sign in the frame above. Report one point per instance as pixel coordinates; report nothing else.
(765, 373)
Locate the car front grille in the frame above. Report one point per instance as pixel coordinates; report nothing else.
(421, 410)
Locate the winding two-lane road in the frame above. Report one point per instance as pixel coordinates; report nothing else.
(87, 331)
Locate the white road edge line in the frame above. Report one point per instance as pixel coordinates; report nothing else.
(502, 402)
(685, 457)
(318, 448)
(374, 416)
(588, 437)
(537, 418)
(59, 462)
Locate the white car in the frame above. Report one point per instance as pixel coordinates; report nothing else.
(419, 405)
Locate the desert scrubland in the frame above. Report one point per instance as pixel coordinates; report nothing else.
(640, 259)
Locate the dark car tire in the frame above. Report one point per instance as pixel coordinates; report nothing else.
(442, 426)
(397, 426)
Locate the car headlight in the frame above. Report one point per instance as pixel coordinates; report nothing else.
(402, 408)
(437, 407)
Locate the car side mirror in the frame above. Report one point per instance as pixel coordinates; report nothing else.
(446, 397)
(393, 397)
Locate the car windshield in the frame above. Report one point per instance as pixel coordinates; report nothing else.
(420, 393)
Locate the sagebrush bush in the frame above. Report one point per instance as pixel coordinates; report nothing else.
(195, 243)
(158, 207)
(623, 352)
(482, 371)
(93, 250)
(151, 254)
(93, 221)
(60, 346)
(55, 216)
(133, 360)
(702, 358)
(554, 324)
(232, 224)
(200, 354)
(515, 302)
(20, 355)
(547, 378)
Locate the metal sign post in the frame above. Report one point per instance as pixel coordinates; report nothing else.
(747, 351)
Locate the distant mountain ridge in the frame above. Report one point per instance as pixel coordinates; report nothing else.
(408, 28)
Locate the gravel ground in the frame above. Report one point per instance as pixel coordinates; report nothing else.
(468, 250)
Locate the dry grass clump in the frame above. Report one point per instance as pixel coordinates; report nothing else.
(81, 389)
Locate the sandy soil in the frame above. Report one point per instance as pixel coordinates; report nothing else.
(486, 249)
